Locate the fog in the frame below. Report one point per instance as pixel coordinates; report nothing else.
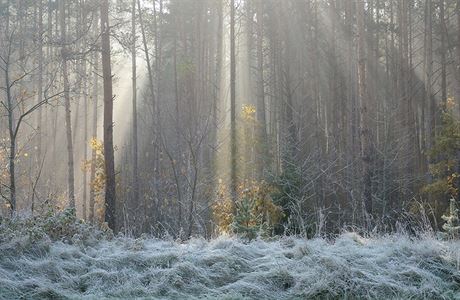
(335, 113)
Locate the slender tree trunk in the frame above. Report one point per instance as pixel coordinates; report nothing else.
(86, 141)
(363, 112)
(261, 118)
(430, 104)
(134, 103)
(157, 56)
(65, 75)
(406, 111)
(152, 92)
(94, 136)
(442, 18)
(350, 106)
(412, 112)
(457, 88)
(157, 107)
(40, 81)
(11, 130)
(85, 115)
(334, 101)
(178, 135)
(146, 53)
(110, 196)
(233, 147)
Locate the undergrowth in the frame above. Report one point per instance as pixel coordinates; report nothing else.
(60, 257)
(34, 235)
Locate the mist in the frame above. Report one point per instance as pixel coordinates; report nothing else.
(243, 149)
(339, 109)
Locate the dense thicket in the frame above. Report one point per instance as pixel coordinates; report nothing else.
(310, 114)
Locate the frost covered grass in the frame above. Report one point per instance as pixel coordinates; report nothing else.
(350, 267)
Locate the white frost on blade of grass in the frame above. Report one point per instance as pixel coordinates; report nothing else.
(396, 267)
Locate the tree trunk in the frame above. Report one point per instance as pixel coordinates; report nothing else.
(85, 122)
(85, 145)
(110, 196)
(94, 136)
(457, 89)
(443, 52)
(65, 75)
(146, 52)
(261, 118)
(430, 104)
(363, 112)
(11, 130)
(233, 147)
(134, 103)
(152, 93)
(40, 80)
(178, 134)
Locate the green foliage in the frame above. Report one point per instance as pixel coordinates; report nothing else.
(253, 213)
(289, 185)
(290, 188)
(245, 222)
(452, 226)
(445, 180)
(444, 156)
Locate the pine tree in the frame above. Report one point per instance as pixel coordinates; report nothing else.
(245, 221)
(444, 175)
(452, 226)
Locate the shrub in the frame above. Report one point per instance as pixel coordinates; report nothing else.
(34, 234)
(254, 211)
(245, 222)
(452, 226)
(444, 157)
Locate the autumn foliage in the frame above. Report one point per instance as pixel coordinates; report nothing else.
(98, 184)
(254, 211)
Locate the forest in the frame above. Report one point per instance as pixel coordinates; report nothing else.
(229, 149)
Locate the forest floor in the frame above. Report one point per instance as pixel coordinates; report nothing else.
(348, 267)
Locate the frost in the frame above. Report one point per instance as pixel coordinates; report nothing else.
(394, 266)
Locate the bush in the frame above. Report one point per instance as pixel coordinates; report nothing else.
(452, 226)
(444, 181)
(33, 235)
(245, 222)
(253, 213)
